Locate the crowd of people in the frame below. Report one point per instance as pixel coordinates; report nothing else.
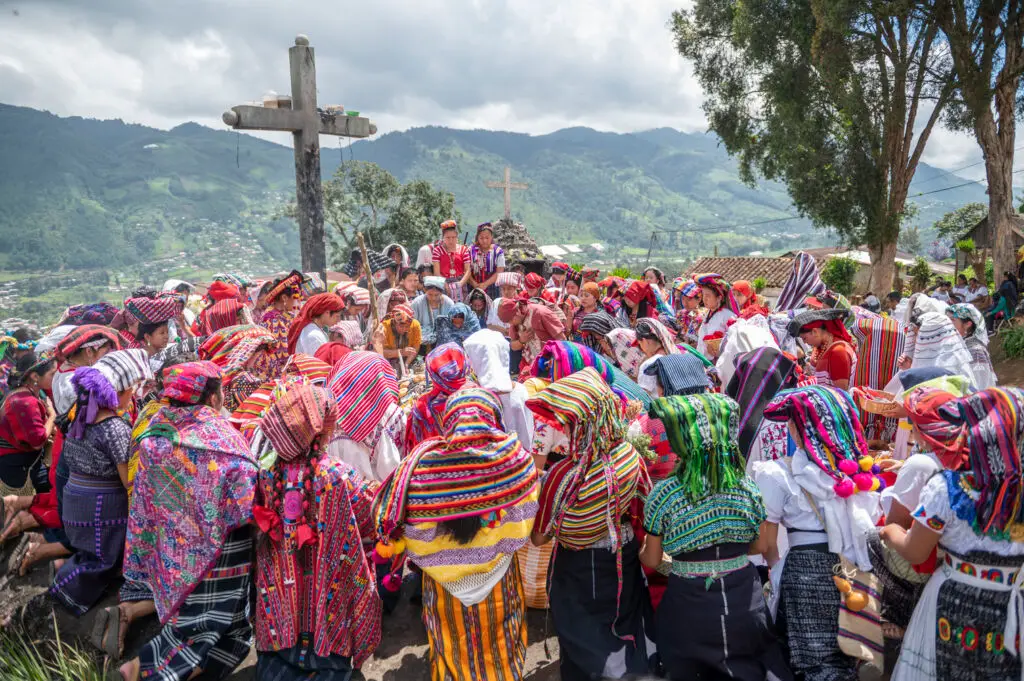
(696, 482)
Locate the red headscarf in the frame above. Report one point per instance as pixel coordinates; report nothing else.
(221, 290)
(638, 291)
(534, 280)
(833, 326)
(314, 307)
(332, 352)
(947, 441)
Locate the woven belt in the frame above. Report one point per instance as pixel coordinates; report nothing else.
(710, 570)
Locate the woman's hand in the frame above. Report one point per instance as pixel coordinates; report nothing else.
(904, 362)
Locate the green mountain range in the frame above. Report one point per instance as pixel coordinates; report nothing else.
(105, 202)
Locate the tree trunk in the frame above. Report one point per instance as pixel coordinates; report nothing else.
(977, 261)
(999, 170)
(883, 267)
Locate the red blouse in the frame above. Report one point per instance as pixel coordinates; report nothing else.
(22, 423)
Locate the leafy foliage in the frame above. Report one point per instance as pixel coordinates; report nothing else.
(839, 274)
(27, 660)
(1012, 338)
(838, 84)
(910, 240)
(759, 284)
(920, 274)
(956, 223)
(623, 273)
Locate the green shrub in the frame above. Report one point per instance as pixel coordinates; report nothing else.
(920, 274)
(839, 274)
(1013, 341)
(759, 284)
(623, 273)
(27, 660)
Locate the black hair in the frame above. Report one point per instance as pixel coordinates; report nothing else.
(22, 335)
(450, 228)
(27, 365)
(147, 329)
(406, 272)
(462, 530)
(658, 274)
(394, 247)
(895, 295)
(211, 389)
(961, 276)
(267, 286)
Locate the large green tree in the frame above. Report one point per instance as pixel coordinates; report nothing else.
(363, 197)
(986, 41)
(836, 98)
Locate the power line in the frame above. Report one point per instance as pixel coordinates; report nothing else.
(957, 186)
(957, 170)
(722, 228)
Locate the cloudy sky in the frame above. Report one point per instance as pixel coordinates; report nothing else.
(530, 66)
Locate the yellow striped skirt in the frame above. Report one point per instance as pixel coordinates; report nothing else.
(483, 642)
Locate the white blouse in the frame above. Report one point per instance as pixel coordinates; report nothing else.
(935, 513)
(716, 323)
(310, 339)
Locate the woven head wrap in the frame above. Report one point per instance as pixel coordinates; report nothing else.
(300, 417)
(534, 280)
(640, 291)
(187, 382)
(94, 313)
(434, 282)
(589, 274)
(156, 309)
(648, 327)
(994, 423)
(827, 423)
(366, 390)
(832, 320)
(682, 374)
(484, 469)
(803, 281)
(232, 347)
(509, 279)
(718, 284)
(222, 290)
(967, 312)
(289, 284)
(947, 441)
(402, 313)
(446, 369)
(702, 431)
(596, 326)
(98, 386)
(86, 336)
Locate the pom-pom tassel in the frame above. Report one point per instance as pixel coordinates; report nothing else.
(392, 581)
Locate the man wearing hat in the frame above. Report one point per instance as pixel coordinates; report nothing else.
(833, 358)
(429, 307)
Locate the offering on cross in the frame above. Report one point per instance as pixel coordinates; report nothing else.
(306, 122)
(508, 185)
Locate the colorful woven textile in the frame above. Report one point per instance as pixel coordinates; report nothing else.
(222, 290)
(687, 523)
(803, 281)
(625, 354)
(158, 309)
(220, 315)
(86, 336)
(277, 324)
(559, 359)
(880, 343)
(351, 334)
(702, 431)
(827, 423)
(968, 313)
(681, 374)
(829, 319)
(948, 441)
(718, 284)
(299, 366)
(94, 313)
(234, 347)
(297, 417)
(366, 390)
(98, 386)
(585, 494)
(314, 307)
(654, 329)
(596, 326)
(446, 330)
(289, 284)
(759, 376)
(196, 483)
(475, 469)
(989, 495)
(446, 369)
(187, 382)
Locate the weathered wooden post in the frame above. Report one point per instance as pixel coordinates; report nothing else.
(508, 185)
(306, 122)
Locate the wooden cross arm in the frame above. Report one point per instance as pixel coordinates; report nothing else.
(249, 117)
(501, 185)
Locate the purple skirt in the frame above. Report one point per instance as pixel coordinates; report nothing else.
(95, 514)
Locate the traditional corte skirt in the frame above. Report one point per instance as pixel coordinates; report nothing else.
(300, 663)
(958, 629)
(482, 642)
(95, 513)
(808, 616)
(714, 628)
(211, 629)
(601, 633)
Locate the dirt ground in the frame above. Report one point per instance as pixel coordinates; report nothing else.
(1009, 371)
(401, 656)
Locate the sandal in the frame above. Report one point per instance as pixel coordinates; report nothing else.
(17, 556)
(112, 642)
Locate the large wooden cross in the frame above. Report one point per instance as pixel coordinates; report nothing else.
(306, 123)
(508, 185)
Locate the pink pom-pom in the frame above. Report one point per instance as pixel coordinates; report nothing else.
(844, 488)
(863, 481)
(848, 467)
(392, 582)
(378, 559)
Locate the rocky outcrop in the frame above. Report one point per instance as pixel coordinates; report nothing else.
(519, 246)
